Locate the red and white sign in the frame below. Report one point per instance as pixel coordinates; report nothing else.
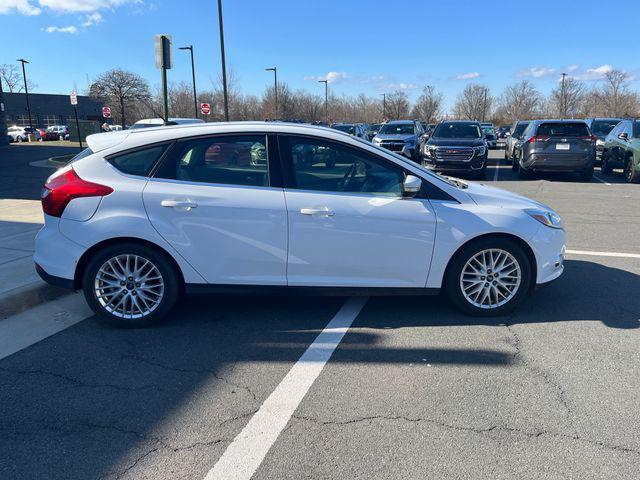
(106, 112)
(74, 98)
(205, 108)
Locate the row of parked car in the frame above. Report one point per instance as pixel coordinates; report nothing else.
(575, 145)
(550, 145)
(19, 134)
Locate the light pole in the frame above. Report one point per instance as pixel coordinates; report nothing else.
(224, 67)
(563, 103)
(484, 104)
(26, 90)
(384, 105)
(3, 125)
(326, 100)
(275, 86)
(193, 75)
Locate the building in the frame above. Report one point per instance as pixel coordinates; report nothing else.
(48, 109)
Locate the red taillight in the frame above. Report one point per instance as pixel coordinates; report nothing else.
(538, 138)
(591, 138)
(60, 190)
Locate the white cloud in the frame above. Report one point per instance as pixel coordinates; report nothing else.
(93, 19)
(597, 73)
(573, 68)
(401, 86)
(70, 29)
(536, 72)
(23, 7)
(467, 76)
(331, 77)
(82, 6)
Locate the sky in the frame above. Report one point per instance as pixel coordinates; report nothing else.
(370, 47)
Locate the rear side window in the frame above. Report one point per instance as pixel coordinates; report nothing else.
(563, 129)
(227, 160)
(138, 162)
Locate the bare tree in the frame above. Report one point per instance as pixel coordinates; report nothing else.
(566, 99)
(520, 101)
(397, 105)
(121, 89)
(12, 78)
(473, 103)
(615, 98)
(428, 107)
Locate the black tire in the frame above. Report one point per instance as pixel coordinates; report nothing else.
(586, 175)
(630, 173)
(454, 271)
(523, 173)
(605, 165)
(167, 270)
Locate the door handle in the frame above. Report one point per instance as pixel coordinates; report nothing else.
(319, 211)
(180, 204)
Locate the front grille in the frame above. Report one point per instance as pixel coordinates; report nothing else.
(393, 146)
(454, 154)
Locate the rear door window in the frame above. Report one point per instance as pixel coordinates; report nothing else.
(138, 162)
(563, 129)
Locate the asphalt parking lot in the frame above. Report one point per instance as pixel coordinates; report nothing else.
(394, 387)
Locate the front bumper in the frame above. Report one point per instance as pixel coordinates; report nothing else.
(548, 245)
(473, 165)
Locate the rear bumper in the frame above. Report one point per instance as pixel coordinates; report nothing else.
(558, 162)
(53, 280)
(55, 255)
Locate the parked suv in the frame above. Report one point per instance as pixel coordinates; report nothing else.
(402, 136)
(509, 149)
(457, 147)
(601, 127)
(144, 215)
(557, 146)
(622, 150)
(355, 129)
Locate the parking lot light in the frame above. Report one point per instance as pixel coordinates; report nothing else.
(326, 100)
(224, 66)
(26, 90)
(193, 75)
(275, 87)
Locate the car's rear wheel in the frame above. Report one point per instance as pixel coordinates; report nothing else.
(523, 173)
(130, 285)
(489, 277)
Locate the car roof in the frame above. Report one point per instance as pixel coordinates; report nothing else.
(392, 122)
(460, 121)
(143, 136)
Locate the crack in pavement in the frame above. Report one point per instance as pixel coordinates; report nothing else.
(198, 369)
(476, 430)
(77, 382)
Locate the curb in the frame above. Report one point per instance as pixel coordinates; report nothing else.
(23, 298)
(60, 161)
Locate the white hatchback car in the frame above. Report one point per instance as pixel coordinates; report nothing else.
(142, 215)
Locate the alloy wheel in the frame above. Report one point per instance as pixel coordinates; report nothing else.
(129, 286)
(491, 278)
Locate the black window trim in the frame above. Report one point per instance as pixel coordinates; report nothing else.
(169, 145)
(428, 191)
(274, 172)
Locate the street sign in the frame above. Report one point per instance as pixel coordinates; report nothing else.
(164, 59)
(205, 108)
(74, 98)
(106, 112)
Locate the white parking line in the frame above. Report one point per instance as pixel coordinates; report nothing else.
(244, 455)
(26, 328)
(600, 180)
(603, 254)
(497, 167)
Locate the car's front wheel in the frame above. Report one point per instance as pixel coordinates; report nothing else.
(630, 173)
(489, 277)
(130, 285)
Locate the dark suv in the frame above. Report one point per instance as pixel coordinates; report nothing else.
(622, 150)
(457, 147)
(601, 127)
(556, 146)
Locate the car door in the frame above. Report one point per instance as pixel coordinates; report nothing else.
(349, 224)
(215, 201)
(616, 143)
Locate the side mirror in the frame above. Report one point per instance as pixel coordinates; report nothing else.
(623, 136)
(487, 136)
(411, 186)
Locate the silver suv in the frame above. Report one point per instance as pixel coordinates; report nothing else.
(402, 136)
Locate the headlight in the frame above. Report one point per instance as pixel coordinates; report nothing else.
(600, 143)
(430, 151)
(376, 140)
(479, 151)
(547, 217)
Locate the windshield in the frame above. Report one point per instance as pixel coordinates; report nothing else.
(486, 130)
(602, 128)
(457, 130)
(397, 129)
(350, 129)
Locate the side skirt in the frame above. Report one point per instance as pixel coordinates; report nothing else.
(268, 290)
